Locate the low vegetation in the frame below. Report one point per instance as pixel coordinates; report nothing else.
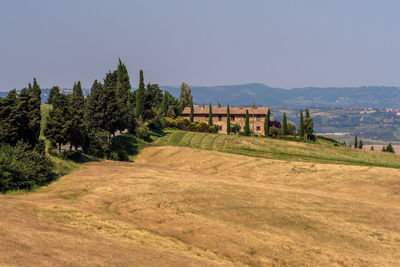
(321, 151)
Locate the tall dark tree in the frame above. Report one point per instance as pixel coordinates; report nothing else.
(228, 120)
(23, 116)
(58, 124)
(35, 116)
(169, 100)
(112, 113)
(123, 88)
(140, 98)
(77, 130)
(96, 106)
(53, 91)
(307, 114)
(360, 144)
(247, 124)
(191, 119)
(284, 129)
(309, 128)
(389, 148)
(153, 98)
(301, 125)
(9, 131)
(267, 122)
(355, 142)
(210, 120)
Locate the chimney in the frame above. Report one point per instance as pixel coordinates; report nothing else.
(240, 107)
(202, 106)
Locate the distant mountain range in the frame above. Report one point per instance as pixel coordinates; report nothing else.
(260, 94)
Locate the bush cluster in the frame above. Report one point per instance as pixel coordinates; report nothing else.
(185, 124)
(23, 168)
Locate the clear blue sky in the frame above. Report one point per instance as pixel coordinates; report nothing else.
(203, 42)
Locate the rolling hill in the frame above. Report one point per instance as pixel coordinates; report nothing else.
(260, 94)
(184, 206)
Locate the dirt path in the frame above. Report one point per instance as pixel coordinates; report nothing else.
(180, 206)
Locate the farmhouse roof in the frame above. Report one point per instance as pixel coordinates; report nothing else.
(203, 110)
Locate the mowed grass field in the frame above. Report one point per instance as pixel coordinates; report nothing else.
(321, 151)
(178, 206)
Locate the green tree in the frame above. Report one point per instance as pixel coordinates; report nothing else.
(247, 124)
(35, 116)
(112, 114)
(185, 98)
(58, 123)
(389, 148)
(228, 120)
(23, 117)
(355, 142)
(267, 122)
(309, 128)
(210, 120)
(372, 148)
(123, 87)
(301, 125)
(53, 91)
(96, 106)
(191, 113)
(153, 98)
(284, 128)
(9, 124)
(77, 130)
(360, 144)
(140, 98)
(307, 114)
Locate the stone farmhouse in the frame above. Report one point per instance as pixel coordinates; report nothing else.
(237, 114)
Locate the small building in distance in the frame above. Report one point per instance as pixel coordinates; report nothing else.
(237, 114)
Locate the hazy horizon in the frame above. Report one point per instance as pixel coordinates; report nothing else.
(283, 44)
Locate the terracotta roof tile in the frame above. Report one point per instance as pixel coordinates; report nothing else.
(200, 110)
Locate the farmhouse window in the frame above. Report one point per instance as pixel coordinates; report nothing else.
(258, 128)
(219, 118)
(232, 118)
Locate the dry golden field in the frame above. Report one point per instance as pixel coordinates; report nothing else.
(179, 206)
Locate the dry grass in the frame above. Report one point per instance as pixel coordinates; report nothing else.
(180, 206)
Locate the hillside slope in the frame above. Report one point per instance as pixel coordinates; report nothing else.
(321, 151)
(181, 206)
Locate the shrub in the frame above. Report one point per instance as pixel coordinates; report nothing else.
(274, 131)
(182, 123)
(143, 132)
(97, 143)
(156, 124)
(21, 168)
(170, 123)
(235, 128)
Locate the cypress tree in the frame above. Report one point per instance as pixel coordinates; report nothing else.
(123, 94)
(309, 128)
(247, 124)
(267, 121)
(23, 116)
(307, 114)
(210, 120)
(77, 111)
(95, 107)
(9, 132)
(112, 114)
(140, 98)
(284, 129)
(191, 113)
(355, 142)
(372, 148)
(228, 120)
(301, 125)
(360, 144)
(57, 126)
(35, 116)
(389, 148)
(53, 91)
